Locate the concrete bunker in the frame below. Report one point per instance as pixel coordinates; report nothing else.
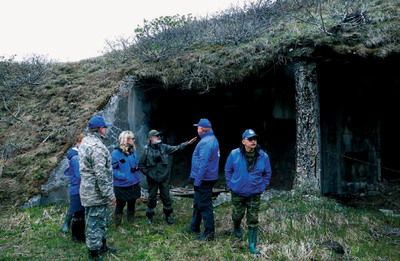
(267, 106)
(357, 131)
(333, 121)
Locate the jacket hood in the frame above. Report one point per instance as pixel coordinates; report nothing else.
(72, 152)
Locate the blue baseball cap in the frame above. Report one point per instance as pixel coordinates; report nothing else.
(248, 134)
(203, 123)
(97, 122)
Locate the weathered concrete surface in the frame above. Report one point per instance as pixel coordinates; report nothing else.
(308, 132)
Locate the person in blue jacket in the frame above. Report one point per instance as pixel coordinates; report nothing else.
(76, 212)
(247, 173)
(204, 173)
(126, 176)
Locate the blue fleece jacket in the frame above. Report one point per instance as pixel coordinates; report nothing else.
(205, 159)
(243, 182)
(73, 171)
(125, 168)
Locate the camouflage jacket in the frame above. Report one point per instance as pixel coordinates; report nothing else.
(96, 172)
(154, 162)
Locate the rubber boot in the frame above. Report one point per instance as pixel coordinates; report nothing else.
(78, 229)
(168, 217)
(94, 255)
(131, 216)
(149, 216)
(104, 248)
(117, 220)
(253, 241)
(205, 237)
(67, 223)
(237, 230)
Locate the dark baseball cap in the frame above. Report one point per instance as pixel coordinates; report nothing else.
(153, 133)
(97, 122)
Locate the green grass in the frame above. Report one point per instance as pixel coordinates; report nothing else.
(292, 227)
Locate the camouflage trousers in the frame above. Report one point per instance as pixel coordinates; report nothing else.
(97, 218)
(241, 204)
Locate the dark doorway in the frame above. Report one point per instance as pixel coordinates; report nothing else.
(359, 133)
(265, 105)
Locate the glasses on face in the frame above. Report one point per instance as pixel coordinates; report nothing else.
(131, 138)
(252, 139)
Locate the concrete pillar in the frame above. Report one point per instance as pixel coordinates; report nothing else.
(308, 129)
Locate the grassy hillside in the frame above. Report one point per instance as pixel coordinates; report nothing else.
(208, 53)
(294, 226)
(52, 114)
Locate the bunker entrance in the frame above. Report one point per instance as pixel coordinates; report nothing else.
(266, 106)
(359, 102)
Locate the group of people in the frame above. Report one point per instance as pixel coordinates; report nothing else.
(99, 179)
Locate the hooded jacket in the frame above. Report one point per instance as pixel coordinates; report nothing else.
(125, 168)
(73, 171)
(243, 182)
(205, 159)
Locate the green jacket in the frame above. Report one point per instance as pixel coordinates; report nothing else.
(154, 161)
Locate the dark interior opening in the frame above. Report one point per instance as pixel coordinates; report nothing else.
(264, 104)
(359, 100)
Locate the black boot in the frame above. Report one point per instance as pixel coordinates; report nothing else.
(78, 227)
(67, 223)
(131, 216)
(168, 217)
(117, 220)
(104, 248)
(169, 220)
(237, 229)
(94, 255)
(149, 216)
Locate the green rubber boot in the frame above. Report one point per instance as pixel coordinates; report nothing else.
(67, 223)
(253, 241)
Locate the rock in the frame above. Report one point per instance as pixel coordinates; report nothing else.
(386, 211)
(334, 246)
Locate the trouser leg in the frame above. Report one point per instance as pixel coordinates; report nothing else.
(167, 201)
(152, 200)
(131, 210)
(253, 209)
(238, 210)
(78, 226)
(96, 218)
(206, 209)
(119, 208)
(196, 219)
(165, 195)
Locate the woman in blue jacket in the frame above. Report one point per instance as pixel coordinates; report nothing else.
(126, 176)
(76, 212)
(247, 173)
